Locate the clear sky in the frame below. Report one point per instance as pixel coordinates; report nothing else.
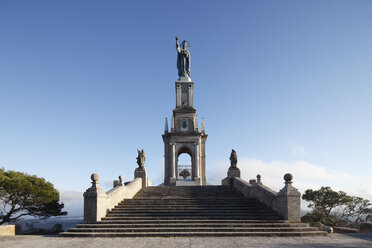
(287, 84)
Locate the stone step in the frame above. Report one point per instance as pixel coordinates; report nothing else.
(190, 212)
(196, 224)
(190, 207)
(199, 211)
(196, 229)
(191, 221)
(194, 214)
(190, 203)
(185, 199)
(191, 234)
(255, 217)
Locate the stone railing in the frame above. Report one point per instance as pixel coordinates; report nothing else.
(97, 202)
(286, 202)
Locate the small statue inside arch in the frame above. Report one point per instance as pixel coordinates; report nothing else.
(233, 158)
(141, 158)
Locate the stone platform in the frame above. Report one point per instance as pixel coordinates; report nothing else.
(329, 241)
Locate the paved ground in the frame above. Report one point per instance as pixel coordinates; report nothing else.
(333, 240)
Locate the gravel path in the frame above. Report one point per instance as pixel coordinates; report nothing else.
(332, 240)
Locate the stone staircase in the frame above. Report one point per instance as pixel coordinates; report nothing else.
(191, 211)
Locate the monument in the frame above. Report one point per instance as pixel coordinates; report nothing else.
(234, 208)
(184, 135)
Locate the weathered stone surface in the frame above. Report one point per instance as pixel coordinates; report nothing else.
(7, 230)
(329, 241)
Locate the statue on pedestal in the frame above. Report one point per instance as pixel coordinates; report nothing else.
(233, 169)
(233, 158)
(141, 159)
(183, 59)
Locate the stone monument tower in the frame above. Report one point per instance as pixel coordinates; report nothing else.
(184, 135)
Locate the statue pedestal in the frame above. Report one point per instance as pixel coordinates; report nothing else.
(233, 172)
(141, 173)
(94, 205)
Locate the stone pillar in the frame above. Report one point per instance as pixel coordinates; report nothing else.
(289, 201)
(173, 177)
(197, 164)
(94, 202)
(178, 94)
(191, 94)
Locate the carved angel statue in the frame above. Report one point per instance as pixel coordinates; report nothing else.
(141, 158)
(233, 158)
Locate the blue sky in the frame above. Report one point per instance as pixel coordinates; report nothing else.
(287, 84)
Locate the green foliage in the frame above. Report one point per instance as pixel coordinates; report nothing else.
(336, 208)
(22, 194)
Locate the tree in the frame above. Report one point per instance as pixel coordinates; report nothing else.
(22, 194)
(336, 208)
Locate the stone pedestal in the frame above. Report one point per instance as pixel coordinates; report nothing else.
(289, 201)
(233, 172)
(94, 202)
(140, 172)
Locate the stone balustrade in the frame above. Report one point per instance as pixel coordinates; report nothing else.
(97, 202)
(286, 202)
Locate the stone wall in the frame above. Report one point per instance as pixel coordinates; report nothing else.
(7, 230)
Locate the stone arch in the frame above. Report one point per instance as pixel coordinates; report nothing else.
(185, 149)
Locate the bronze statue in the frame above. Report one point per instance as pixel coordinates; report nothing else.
(233, 158)
(141, 158)
(183, 59)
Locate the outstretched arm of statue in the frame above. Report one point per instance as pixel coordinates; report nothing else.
(177, 46)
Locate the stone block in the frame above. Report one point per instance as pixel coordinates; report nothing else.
(7, 230)
(233, 172)
(252, 181)
(197, 181)
(140, 172)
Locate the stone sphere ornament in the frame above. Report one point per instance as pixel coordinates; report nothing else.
(288, 178)
(94, 177)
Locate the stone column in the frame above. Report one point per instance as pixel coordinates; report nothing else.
(289, 201)
(197, 164)
(94, 202)
(191, 100)
(178, 94)
(173, 164)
